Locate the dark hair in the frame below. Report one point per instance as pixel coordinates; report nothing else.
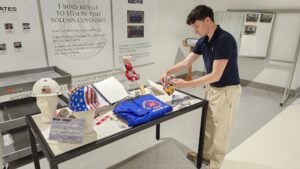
(200, 13)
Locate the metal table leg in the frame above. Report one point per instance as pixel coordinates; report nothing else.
(53, 166)
(202, 135)
(34, 149)
(157, 131)
(1, 150)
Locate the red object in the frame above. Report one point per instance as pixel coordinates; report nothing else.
(131, 75)
(102, 120)
(9, 90)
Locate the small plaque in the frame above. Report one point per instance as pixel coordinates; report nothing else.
(67, 130)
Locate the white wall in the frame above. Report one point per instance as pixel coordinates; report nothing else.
(263, 70)
(171, 29)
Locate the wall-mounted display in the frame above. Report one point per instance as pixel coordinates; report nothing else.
(256, 35)
(266, 18)
(252, 17)
(26, 26)
(21, 45)
(135, 16)
(17, 45)
(8, 26)
(78, 33)
(2, 46)
(135, 31)
(250, 29)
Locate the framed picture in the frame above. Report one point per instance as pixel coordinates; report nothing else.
(135, 31)
(250, 29)
(252, 17)
(17, 45)
(2, 46)
(8, 26)
(266, 18)
(135, 16)
(26, 26)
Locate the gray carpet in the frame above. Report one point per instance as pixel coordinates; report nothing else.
(164, 155)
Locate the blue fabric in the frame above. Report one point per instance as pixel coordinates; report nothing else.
(141, 110)
(221, 46)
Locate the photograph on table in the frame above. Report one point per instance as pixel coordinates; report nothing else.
(17, 45)
(252, 17)
(2, 46)
(250, 29)
(135, 31)
(266, 18)
(135, 1)
(26, 26)
(135, 16)
(8, 26)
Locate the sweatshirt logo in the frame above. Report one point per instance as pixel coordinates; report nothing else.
(151, 104)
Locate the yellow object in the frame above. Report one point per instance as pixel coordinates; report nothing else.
(169, 89)
(142, 89)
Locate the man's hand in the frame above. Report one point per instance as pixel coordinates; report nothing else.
(180, 83)
(163, 77)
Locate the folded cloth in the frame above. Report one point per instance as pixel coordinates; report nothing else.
(141, 109)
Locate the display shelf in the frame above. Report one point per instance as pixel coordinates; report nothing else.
(20, 147)
(12, 113)
(23, 81)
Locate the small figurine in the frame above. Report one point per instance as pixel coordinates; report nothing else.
(168, 86)
(130, 74)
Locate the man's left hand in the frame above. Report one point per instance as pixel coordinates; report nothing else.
(180, 83)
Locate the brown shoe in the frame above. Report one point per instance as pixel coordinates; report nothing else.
(192, 156)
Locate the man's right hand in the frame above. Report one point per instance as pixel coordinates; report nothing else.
(163, 77)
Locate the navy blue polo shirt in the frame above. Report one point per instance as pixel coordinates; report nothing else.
(221, 46)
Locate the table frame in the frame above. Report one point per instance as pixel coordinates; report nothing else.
(37, 137)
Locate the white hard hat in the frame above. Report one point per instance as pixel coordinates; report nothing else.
(45, 87)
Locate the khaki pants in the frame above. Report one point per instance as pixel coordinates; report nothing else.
(222, 106)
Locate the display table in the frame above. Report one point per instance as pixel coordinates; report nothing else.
(57, 153)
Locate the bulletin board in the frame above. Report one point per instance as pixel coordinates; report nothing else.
(21, 41)
(256, 34)
(78, 35)
(286, 26)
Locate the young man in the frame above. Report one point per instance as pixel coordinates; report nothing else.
(219, 51)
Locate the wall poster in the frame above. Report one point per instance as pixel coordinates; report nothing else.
(21, 40)
(133, 31)
(78, 35)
